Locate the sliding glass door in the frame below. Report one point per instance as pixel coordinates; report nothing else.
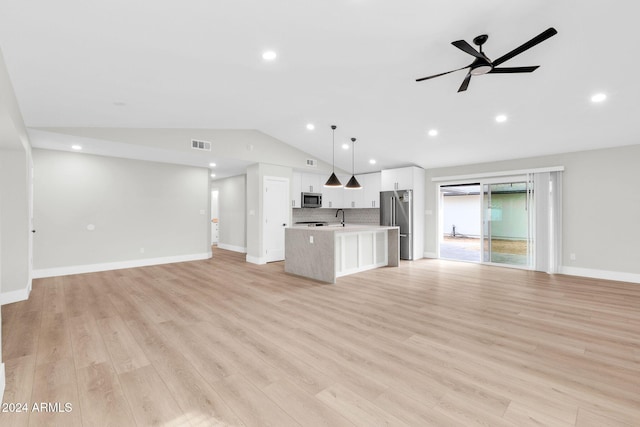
(507, 220)
(512, 220)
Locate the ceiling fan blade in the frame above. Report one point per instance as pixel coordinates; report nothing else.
(466, 47)
(528, 45)
(441, 74)
(506, 70)
(465, 83)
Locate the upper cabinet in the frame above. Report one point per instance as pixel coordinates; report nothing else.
(353, 198)
(401, 178)
(370, 190)
(334, 197)
(296, 190)
(338, 197)
(312, 183)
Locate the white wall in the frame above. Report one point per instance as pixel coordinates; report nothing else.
(15, 220)
(232, 197)
(14, 197)
(143, 212)
(601, 207)
(463, 212)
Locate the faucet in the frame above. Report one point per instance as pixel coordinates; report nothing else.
(337, 212)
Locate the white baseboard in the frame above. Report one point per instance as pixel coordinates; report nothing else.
(256, 260)
(92, 268)
(2, 382)
(430, 255)
(14, 296)
(601, 274)
(232, 248)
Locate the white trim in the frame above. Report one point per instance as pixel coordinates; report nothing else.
(496, 174)
(430, 255)
(601, 274)
(2, 382)
(14, 296)
(92, 268)
(256, 260)
(232, 248)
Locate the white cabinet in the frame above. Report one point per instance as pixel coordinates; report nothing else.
(296, 190)
(333, 197)
(401, 178)
(353, 198)
(312, 183)
(360, 251)
(370, 190)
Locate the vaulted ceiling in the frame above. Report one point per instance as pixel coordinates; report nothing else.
(352, 63)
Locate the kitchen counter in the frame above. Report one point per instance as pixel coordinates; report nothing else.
(328, 252)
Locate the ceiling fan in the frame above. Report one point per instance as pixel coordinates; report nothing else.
(483, 65)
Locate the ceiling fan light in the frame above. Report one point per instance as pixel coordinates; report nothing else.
(480, 70)
(353, 183)
(333, 181)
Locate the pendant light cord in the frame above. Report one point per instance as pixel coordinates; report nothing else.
(353, 156)
(333, 146)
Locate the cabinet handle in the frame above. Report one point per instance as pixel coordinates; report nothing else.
(330, 203)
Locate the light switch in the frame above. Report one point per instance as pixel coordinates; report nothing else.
(310, 239)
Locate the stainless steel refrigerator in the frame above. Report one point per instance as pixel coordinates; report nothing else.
(396, 209)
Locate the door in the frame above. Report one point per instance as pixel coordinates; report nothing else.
(276, 217)
(507, 219)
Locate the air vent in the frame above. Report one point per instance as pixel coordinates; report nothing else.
(200, 145)
(312, 163)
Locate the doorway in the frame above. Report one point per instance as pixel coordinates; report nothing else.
(461, 213)
(215, 218)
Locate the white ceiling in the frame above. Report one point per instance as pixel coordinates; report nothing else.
(353, 63)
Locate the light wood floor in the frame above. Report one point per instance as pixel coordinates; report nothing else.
(223, 342)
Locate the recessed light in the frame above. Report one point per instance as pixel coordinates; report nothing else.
(269, 55)
(372, 161)
(213, 175)
(345, 146)
(76, 147)
(501, 118)
(598, 97)
(212, 165)
(310, 126)
(433, 132)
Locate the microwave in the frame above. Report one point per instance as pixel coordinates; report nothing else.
(311, 200)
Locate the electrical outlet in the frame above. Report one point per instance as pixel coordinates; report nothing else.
(310, 239)
(572, 256)
(141, 250)
(201, 211)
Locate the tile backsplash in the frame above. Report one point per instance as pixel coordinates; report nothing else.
(351, 216)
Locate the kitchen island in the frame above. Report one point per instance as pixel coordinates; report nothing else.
(326, 253)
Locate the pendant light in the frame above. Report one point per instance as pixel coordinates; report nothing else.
(353, 182)
(333, 180)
